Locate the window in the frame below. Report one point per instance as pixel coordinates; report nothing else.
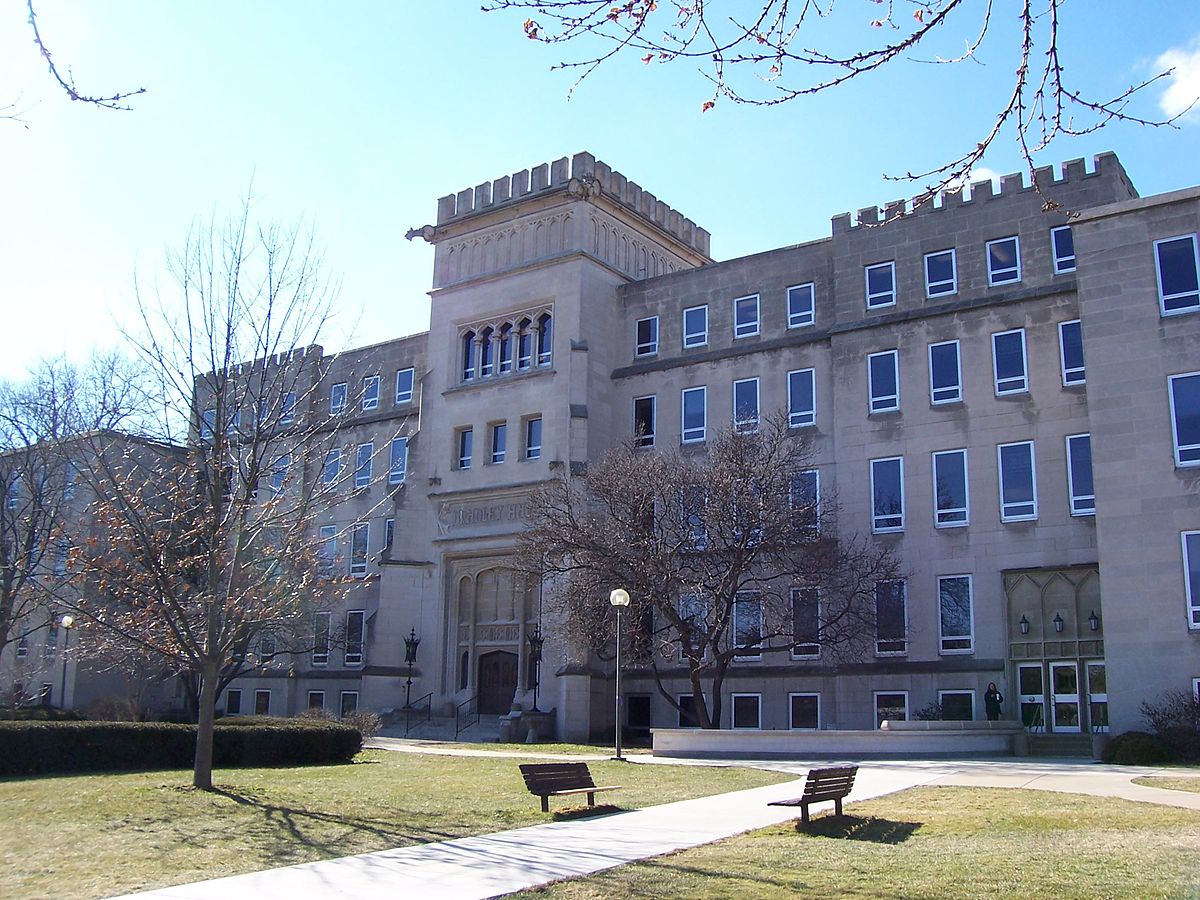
(262, 703)
(687, 711)
(1063, 244)
(468, 356)
(802, 399)
(363, 465)
(800, 305)
(941, 274)
(804, 712)
(1185, 417)
(348, 704)
(746, 711)
(891, 617)
(694, 500)
(1079, 475)
(1018, 482)
(333, 467)
(404, 386)
(804, 500)
(747, 623)
(23, 644)
(14, 490)
(890, 706)
(1070, 346)
(1178, 269)
(46, 697)
(884, 381)
(1008, 362)
(545, 339)
(945, 373)
(337, 398)
(233, 702)
(694, 404)
(955, 617)
(499, 442)
(1191, 575)
(643, 421)
(327, 550)
(745, 316)
(695, 326)
(533, 438)
(279, 473)
(881, 285)
(288, 414)
(957, 706)
(235, 423)
(524, 344)
(320, 653)
(370, 388)
(360, 542)
(267, 646)
(1004, 261)
(646, 339)
(745, 405)
(389, 531)
(951, 506)
(486, 353)
(806, 623)
(316, 699)
(464, 448)
(356, 621)
(693, 612)
(506, 348)
(887, 494)
(398, 468)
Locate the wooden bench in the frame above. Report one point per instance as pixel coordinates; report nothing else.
(832, 783)
(548, 780)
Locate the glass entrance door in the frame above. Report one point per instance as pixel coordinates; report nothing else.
(1031, 695)
(1064, 700)
(1097, 688)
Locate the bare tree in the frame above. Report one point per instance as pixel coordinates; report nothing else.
(203, 551)
(777, 51)
(726, 555)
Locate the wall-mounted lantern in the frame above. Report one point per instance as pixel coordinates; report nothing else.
(1058, 622)
(1024, 624)
(1094, 621)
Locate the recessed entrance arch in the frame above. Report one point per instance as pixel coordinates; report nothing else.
(497, 682)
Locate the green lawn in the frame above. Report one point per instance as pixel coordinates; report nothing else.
(1167, 782)
(98, 835)
(934, 842)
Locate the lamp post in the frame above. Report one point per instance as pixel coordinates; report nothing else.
(535, 659)
(619, 599)
(67, 622)
(410, 657)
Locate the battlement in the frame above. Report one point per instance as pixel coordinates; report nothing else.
(1104, 165)
(582, 175)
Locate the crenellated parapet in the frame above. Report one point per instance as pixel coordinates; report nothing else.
(1074, 173)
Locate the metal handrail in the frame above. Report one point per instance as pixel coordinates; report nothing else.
(1039, 720)
(465, 719)
(414, 709)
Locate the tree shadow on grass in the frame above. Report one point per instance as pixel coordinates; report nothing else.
(859, 828)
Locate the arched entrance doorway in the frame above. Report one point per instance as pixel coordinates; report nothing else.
(497, 682)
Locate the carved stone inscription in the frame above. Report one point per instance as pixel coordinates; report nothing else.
(496, 634)
(454, 516)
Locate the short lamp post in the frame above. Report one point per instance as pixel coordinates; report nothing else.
(535, 659)
(619, 599)
(410, 656)
(67, 622)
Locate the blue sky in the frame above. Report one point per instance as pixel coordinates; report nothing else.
(357, 116)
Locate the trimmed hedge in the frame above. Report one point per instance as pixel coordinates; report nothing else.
(1136, 748)
(39, 748)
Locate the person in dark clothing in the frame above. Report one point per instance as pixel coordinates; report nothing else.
(992, 698)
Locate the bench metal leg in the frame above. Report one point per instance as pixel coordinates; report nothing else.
(545, 803)
(803, 813)
(837, 806)
(591, 799)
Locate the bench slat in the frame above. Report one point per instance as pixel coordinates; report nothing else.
(547, 780)
(832, 783)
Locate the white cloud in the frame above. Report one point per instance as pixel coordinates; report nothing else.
(1183, 84)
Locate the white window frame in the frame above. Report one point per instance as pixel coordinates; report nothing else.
(952, 516)
(259, 693)
(801, 416)
(231, 694)
(743, 599)
(749, 328)
(904, 641)
(957, 692)
(499, 454)
(319, 696)
(343, 696)
(998, 277)
(397, 473)
(796, 652)
(1191, 564)
(646, 439)
(287, 412)
(879, 521)
(1192, 298)
(279, 474)
(875, 695)
(693, 339)
(349, 657)
(880, 299)
(327, 541)
(405, 394)
(1080, 504)
(942, 288)
(337, 398)
(389, 531)
(364, 458)
(1012, 384)
(883, 403)
(1006, 516)
(320, 657)
(693, 435)
(801, 305)
(1062, 262)
(733, 699)
(1186, 455)
(359, 560)
(464, 447)
(648, 347)
(1071, 375)
(332, 469)
(747, 425)
(533, 448)
(946, 393)
(794, 496)
(957, 644)
(370, 397)
(792, 726)
(679, 712)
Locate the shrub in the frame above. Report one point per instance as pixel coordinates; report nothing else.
(40, 714)
(930, 713)
(366, 723)
(1136, 748)
(1175, 720)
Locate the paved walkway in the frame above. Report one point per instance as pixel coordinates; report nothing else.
(495, 864)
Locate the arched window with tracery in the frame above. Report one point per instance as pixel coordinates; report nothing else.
(486, 352)
(524, 344)
(468, 356)
(505, 348)
(545, 338)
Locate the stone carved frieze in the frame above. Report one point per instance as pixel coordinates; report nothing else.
(624, 249)
(506, 514)
(496, 249)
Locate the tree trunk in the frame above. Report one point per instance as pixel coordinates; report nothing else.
(202, 771)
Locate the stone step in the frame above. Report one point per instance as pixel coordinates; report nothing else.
(1068, 745)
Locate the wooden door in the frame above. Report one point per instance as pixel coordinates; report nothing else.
(497, 682)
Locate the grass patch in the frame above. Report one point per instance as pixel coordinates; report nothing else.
(934, 842)
(99, 835)
(1186, 783)
(536, 749)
